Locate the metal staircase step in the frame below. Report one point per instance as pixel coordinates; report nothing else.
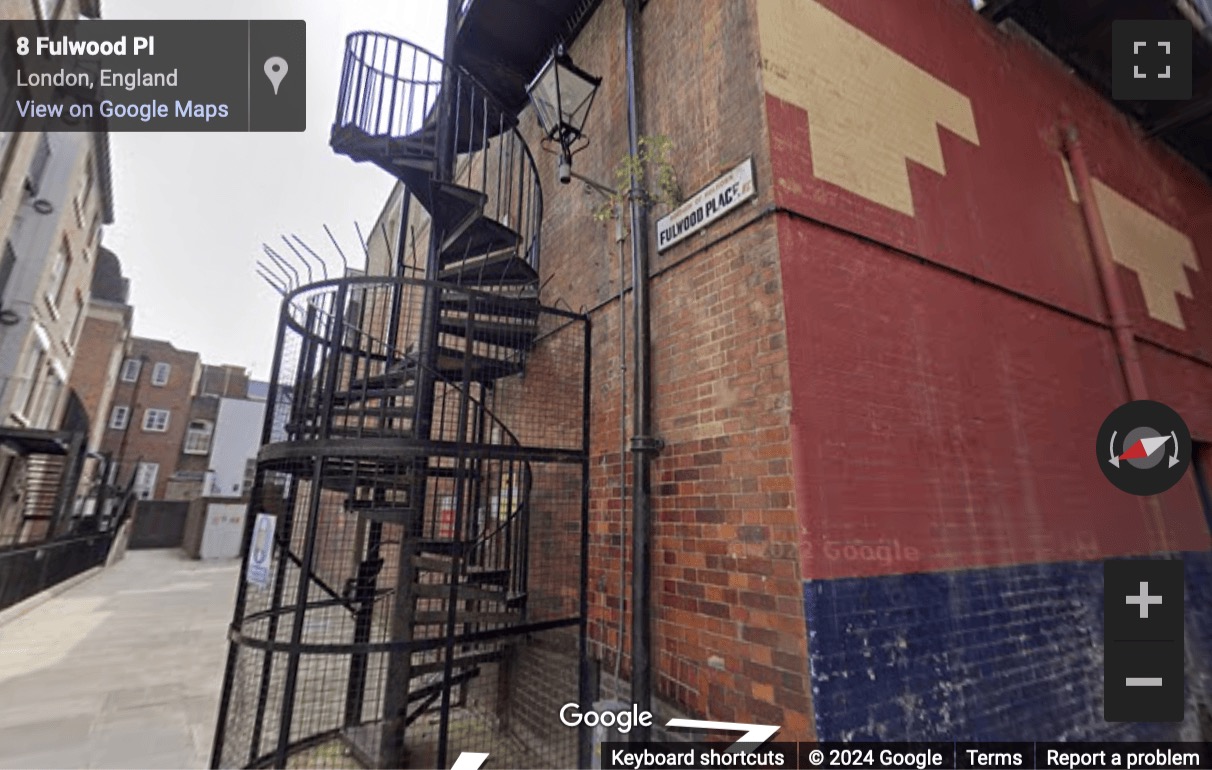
(444, 546)
(359, 505)
(491, 306)
(441, 617)
(455, 208)
(464, 591)
(509, 334)
(398, 384)
(401, 381)
(483, 236)
(386, 514)
(347, 397)
(499, 268)
(352, 431)
(357, 411)
(459, 662)
(430, 690)
(472, 574)
(414, 149)
(481, 369)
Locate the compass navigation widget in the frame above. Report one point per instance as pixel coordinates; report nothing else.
(1144, 447)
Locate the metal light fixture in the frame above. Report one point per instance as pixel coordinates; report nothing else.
(562, 94)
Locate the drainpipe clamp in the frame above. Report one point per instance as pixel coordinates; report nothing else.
(650, 445)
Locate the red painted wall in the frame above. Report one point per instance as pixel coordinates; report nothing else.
(943, 422)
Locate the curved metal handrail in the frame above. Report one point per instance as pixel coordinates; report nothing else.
(390, 91)
(319, 305)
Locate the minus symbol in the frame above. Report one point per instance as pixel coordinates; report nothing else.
(1144, 681)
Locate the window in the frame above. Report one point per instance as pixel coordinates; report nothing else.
(145, 479)
(130, 369)
(10, 95)
(6, 140)
(74, 335)
(119, 417)
(160, 372)
(48, 399)
(54, 292)
(155, 420)
(94, 228)
(7, 262)
(37, 165)
(197, 437)
(250, 474)
(27, 392)
(86, 189)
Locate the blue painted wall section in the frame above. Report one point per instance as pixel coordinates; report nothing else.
(1009, 653)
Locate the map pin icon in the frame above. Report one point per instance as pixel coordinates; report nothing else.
(275, 70)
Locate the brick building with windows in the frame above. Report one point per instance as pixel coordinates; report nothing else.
(194, 467)
(55, 196)
(150, 415)
(102, 348)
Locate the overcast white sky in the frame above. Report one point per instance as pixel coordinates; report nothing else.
(192, 210)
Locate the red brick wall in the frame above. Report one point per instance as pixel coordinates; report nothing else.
(101, 341)
(727, 599)
(163, 448)
(950, 367)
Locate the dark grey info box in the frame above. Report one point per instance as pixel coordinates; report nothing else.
(1150, 60)
(285, 109)
(1143, 646)
(195, 75)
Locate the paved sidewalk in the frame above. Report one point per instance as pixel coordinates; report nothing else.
(120, 671)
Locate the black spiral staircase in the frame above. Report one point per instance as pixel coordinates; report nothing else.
(405, 532)
(484, 230)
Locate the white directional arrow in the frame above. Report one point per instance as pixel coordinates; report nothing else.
(1114, 457)
(469, 760)
(755, 735)
(1153, 443)
(1174, 457)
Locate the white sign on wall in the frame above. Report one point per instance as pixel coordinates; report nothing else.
(260, 550)
(707, 205)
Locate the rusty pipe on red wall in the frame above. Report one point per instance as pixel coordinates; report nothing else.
(1113, 291)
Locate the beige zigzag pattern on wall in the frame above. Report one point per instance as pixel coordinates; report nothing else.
(1155, 251)
(869, 109)
(1159, 254)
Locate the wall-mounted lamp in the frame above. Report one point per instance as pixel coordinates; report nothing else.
(562, 94)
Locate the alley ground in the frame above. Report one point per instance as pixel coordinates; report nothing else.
(122, 670)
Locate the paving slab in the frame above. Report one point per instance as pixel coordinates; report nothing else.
(122, 670)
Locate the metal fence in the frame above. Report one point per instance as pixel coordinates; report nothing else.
(427, 581)
(26, 570)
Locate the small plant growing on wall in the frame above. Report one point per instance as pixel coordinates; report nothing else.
(653, 154)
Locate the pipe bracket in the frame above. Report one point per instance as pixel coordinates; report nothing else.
(650, 445)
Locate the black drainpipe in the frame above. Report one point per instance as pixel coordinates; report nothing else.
(643, 445)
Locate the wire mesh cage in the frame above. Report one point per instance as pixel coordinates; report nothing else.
(424, 467)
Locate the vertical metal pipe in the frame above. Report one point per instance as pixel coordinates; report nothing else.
(1113, 292)
(643, 445)
(316, 490)
(233, 649)
(399, 664)
(586, 677)
(1125, 338)
(456, 555)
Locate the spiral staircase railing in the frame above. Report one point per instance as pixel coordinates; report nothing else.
(408, 565)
